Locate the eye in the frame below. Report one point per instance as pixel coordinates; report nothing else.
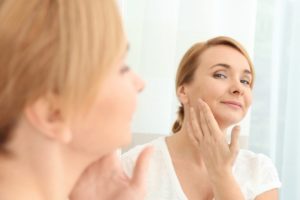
(220, 76)
(245, 82)
(124, 69)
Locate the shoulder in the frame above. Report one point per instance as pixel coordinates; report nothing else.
(255, 173)
(129, 158)
(135, 151)
(161, 179)
(255, 164)
(250, 159)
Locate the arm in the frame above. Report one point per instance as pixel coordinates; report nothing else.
(226, 188)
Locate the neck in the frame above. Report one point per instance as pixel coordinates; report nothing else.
(181, 146)
(38, 168)
(30, 181)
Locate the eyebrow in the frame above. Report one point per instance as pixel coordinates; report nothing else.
(246, 71)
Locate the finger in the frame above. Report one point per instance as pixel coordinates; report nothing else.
(141, 167)
(187, 113)
(196, 130)
(212, 124)
(203, 122)
(191, 135)
(110, 161)
(189, 129)
(234, 143)
(103, 168)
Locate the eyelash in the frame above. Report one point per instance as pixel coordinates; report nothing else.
(245, 82)
(222, 76)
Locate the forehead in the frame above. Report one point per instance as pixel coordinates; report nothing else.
(225, 55)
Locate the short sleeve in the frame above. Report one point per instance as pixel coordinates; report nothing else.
(266, 177)
(129, 158)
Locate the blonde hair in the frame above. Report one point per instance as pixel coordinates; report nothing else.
(62, 47)
(191, 61)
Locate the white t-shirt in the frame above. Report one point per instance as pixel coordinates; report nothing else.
(255, 173)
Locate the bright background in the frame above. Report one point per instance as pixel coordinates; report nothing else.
(159, 32)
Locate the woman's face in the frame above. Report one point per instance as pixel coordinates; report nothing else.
(223, 80)
(107, 125)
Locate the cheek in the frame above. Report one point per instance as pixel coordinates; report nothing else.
(209, 96)
(118, 108)
(105, 127)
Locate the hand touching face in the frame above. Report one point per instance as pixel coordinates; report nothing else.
(223, 80)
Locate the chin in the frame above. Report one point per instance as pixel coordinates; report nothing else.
(228, 120)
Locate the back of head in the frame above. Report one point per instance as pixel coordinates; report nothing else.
(62, 47)
(192, 59)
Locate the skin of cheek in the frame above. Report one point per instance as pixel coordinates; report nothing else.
(221, 115)
(107, 125)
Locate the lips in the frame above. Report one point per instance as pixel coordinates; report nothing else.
(234, 104)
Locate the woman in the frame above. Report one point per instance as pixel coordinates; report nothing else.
(66, 100)
(214, 86)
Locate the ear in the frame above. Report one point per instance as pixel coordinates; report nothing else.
(182, 93)
(46, 117)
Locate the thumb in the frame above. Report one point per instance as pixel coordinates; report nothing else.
(141, 167)
(234, 143)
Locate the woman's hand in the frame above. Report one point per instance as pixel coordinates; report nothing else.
(204, 131)
(106, 180)
(217, 154)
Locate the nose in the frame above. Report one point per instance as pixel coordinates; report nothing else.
(237, 88)
(138, 82)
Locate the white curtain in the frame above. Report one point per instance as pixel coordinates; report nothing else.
(275, 119)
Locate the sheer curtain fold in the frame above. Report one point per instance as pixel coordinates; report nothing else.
(275, 124)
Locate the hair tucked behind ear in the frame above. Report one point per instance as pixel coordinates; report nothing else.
(192, 59)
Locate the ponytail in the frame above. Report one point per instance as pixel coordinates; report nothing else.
(178, 123)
